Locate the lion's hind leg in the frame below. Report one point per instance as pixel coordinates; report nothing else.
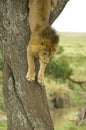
(30, 2)
(53, 4)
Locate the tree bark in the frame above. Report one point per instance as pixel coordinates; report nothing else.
(81, 116)
(26, 103)
(1, 23)
(80, 83)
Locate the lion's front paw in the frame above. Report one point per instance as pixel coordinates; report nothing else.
(30, 77)
(41, 81)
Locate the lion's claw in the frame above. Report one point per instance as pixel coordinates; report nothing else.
(41, 82)
(30, 78)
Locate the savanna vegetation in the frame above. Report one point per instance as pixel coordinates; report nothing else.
(64, 96)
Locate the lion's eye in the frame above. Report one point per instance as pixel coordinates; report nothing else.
(45, 53)
(42, 43)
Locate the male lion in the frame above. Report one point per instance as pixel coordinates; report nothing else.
(43, 41)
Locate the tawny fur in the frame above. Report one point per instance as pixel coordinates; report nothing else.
(44, 40)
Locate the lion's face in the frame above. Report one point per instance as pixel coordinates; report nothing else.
(46, 51)
(44, 56)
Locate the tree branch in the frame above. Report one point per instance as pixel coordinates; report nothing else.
(80, 83)
(57, 11)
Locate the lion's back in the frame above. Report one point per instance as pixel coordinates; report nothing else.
(39, 13)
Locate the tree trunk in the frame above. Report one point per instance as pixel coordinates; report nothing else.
(81, 117)
(26, 103)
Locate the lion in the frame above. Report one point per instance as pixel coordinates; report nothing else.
(43, 41)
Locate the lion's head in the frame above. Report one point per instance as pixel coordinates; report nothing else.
(48, 44)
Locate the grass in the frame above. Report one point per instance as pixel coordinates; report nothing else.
(74, 45)
(3, 125)
(0, 79)
(70, 125)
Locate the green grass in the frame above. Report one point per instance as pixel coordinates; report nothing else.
(0, 78)
(77, 99)
(3, 125)
(70, 125)
(0, 60)
(74, 45)
(1, 95)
